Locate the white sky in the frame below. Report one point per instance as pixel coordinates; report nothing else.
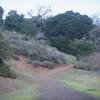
(88, 7)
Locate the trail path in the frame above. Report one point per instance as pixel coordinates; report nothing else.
(48, 85)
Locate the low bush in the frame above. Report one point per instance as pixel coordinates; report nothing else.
(45, 64)
(70, 59)
(50, 56)
(86, 65)
(15, 57)
(95, 36)
(82, 65)
(60, 42)
(82, 47)
(4, 48)
(5, 71)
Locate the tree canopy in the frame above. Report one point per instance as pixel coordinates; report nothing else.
(17, 22)
(13, 20)
(70, 24)
(63, 30)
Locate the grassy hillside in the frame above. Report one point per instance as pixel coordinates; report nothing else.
(81, 80)
(16, 90)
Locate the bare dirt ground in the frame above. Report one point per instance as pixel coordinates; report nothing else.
(48, 85)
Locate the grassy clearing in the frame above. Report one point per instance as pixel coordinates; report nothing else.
(83, 81)
(23, 88)
(20, 91)
(70, 59)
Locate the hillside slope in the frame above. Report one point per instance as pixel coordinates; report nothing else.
(37, 53)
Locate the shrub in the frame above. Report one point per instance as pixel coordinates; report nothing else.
(82, 65)
(4, 48)
(95, 36)
(82, 47)
(46, 64)
(87, 66)
(91, 62)
(75, 47)
(70, 59)
(60, 42)
(5, 71)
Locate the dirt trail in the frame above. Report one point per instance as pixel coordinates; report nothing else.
(49, 87)
(37, 71)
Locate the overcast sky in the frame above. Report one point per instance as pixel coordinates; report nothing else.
(88, 7)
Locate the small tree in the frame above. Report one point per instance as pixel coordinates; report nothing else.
(5, 70)
(28, 27)
(1, 15)
(4, 48)
(95, 36)
(13, 20)
(82, 47)
(61, 42)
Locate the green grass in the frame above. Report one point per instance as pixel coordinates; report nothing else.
(21, 98)
(70, 59)
(83, 81)
(23, 88)
(26, 92)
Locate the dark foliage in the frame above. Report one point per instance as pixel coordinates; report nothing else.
(5, 71)
(65, 28)
(81, 47)
(95, 36)
(17, 22)
(1, 15)
(61, 42)
(13, 20)
(70, 24)
(4, 48)
(28, 27)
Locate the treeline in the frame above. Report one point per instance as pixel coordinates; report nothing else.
(69, 31)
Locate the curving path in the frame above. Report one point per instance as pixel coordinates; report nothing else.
(49, 87)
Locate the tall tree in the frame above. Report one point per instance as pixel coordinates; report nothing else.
(13, 20)
(1, 15)
(39, 19)
(28, 27)
(70, 24)
(64, 28)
